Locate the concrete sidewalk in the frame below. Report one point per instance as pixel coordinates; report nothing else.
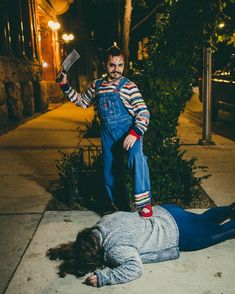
(27, 167)
(205, 271)
(219, 158)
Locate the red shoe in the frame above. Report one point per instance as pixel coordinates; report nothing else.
(146, 211)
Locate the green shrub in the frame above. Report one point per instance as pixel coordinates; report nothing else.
(166, 80)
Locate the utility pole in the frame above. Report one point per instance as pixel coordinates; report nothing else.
(206, 96)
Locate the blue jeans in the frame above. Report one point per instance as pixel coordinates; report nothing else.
(198, 231)
(116, 122)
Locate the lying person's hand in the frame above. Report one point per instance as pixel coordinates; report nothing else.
(92, 280)
(129, 141)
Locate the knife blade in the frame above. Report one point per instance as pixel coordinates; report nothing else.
(66, 64)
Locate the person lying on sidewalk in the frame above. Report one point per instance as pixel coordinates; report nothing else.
(123, 241)
(124, 119)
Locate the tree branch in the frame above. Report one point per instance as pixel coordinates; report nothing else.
(146, 17)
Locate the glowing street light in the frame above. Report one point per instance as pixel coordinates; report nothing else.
(221, 25)
(53, 25)
(44, 64)
(68, 37)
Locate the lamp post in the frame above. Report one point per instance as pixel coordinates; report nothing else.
(65, 40)
(59, 43)
(54, 51)
(206, 96)
(207, 93)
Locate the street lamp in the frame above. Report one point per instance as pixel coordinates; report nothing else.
(44, 64)
(67, 37)
(53, 25)
(65, 40)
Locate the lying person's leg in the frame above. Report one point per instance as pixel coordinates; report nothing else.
(204, 234)
(198, 231)
(218, 214)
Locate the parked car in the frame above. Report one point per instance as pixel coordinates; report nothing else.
(223, 89)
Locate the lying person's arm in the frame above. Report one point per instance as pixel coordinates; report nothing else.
(127, 266)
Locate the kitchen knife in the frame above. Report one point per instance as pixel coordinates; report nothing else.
(66, 64)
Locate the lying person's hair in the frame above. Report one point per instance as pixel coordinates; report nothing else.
(80, 257)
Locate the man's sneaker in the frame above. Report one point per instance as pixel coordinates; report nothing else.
(146, 211)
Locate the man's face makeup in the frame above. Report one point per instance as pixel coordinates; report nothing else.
(115, 67)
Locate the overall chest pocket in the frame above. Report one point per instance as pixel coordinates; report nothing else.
(109, 106)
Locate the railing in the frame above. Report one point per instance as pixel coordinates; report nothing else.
(86, 156)
(90, 153)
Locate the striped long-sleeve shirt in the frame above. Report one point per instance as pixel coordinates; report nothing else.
(129, 94)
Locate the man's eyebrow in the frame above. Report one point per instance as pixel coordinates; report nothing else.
(112, 64)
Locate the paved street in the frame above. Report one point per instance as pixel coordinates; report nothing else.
(27, 167)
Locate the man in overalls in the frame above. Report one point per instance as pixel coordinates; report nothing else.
(124, 119)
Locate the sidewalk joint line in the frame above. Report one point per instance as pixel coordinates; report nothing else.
(20, 213)
(26, 248)
(22, 148)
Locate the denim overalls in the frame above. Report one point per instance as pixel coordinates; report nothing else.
(116, 122)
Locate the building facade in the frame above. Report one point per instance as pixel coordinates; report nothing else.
(30, 56)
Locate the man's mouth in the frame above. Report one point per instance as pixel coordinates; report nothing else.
(115, 72)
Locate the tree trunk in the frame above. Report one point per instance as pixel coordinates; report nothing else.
(119, 21)
(126, 32)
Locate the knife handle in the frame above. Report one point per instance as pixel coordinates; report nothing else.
(60, 76)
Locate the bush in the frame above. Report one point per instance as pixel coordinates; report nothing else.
(166, 79)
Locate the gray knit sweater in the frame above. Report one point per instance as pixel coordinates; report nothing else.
(128, 241)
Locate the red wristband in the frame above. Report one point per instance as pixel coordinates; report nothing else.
(62, 84)
(133, 133)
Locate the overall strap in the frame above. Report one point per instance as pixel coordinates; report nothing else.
(98, 83)
(122, 83)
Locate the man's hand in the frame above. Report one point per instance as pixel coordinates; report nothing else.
(129, 141)
(92, 280)
(62, 77)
